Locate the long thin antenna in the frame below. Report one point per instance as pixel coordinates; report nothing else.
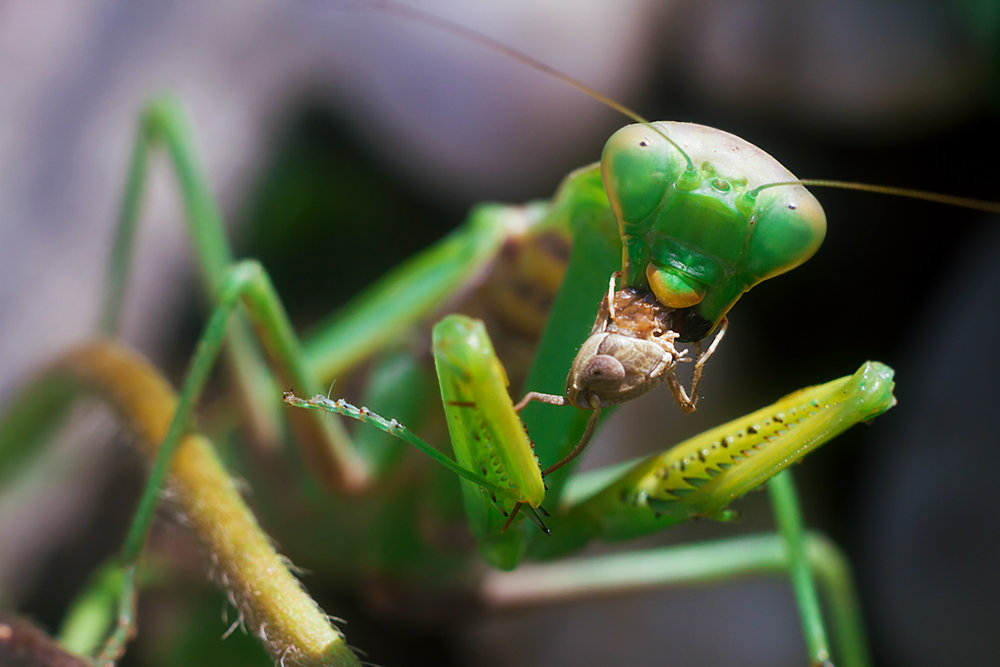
(420, 16)
(428, 19)
(909, 193)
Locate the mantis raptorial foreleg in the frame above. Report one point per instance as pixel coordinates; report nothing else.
(699, 477)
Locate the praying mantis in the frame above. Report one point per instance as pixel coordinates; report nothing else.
(555, 367)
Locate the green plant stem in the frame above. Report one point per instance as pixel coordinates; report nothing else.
(789, 519)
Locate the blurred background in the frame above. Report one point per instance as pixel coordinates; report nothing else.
(339, 141)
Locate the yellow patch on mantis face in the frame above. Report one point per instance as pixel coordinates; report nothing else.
(672, 289)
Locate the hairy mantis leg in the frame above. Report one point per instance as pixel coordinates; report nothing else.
(288, 622)
(163, 121)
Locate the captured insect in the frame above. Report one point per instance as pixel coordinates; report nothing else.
(630, 261)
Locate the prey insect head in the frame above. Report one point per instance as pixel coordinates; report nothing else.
(629, 351)
(613, 368)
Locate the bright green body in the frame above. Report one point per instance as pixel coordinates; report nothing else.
(497, 462)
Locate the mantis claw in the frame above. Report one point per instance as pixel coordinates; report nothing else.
(532, 514)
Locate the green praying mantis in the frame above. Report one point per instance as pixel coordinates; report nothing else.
(699, 478)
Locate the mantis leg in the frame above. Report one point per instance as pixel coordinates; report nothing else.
(245, 283)
(254, 575)
(705, 563)
(704, 474)
(493, 455)
(700, 476)
(376, 318)
(162, 122)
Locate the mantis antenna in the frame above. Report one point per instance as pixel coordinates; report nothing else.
(428, 19)
(909, 193)
(420, 16)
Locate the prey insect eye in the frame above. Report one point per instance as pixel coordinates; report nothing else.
(602, 370)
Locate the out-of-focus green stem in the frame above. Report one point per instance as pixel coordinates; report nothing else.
(89, 620)
(705, 563)
(121, 251)
(833, 571)
(789, 520)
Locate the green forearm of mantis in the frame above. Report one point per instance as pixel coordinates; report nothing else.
(703, 475)
(494, 456)
(486, 435)
(282, 615)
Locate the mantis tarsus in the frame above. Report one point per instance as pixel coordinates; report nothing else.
(561, 370)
